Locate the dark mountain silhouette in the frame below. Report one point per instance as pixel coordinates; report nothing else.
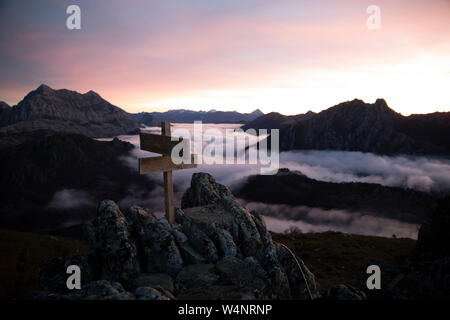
(4, 106)
(359, 126)
(275, 120)
(66, 111)
(188, 116)
(295, 189)
(32, 172)
(146, 119)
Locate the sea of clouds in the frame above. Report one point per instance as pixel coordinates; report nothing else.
(427, 174)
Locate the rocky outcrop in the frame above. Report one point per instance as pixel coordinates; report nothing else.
(110, 241)
(156, 241)
(215, 250)
(66, 111)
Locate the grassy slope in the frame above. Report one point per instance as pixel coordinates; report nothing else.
(334, 258)
(21, 254)
(337, 258)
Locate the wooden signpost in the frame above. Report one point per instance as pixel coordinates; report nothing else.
(162, 144)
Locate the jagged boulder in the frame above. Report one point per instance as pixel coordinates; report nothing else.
(213, 208)
(111, 242)
(160, 252)
(189, 255)
(197, 238)
(204, 190)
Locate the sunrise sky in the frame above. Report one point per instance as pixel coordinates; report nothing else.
(288, 56)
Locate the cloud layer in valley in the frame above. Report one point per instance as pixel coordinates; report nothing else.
(419, 173)
(425, 174)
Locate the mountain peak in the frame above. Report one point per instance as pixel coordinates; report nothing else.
(381, 102)
(257, 111)
(43, 88)
(92, 94)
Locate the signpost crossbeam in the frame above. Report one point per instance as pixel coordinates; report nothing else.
(163, 144)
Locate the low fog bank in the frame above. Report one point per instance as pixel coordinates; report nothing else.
(426, 174)
(281, 218)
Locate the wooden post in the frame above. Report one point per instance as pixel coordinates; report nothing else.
(168, 181)
(163, 144)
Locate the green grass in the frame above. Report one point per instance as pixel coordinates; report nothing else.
(21, 254)
(337, 258)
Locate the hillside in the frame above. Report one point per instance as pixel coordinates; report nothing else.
(295, 189)
(52, 179)
(359, 126)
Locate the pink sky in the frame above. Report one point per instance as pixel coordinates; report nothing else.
(286, 56)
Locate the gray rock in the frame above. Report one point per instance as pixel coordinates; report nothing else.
(245, 273)
(226, 243)
(149, 293)
(160, 251)
(189, 255)
(215, 251)
(197, 238)
(220, 210)
(112, 244)
(195, 276)
(204, 190)
(297, 283)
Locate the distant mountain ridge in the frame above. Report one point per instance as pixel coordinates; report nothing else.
(66, 111)
(189, 116)
(359, 126)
